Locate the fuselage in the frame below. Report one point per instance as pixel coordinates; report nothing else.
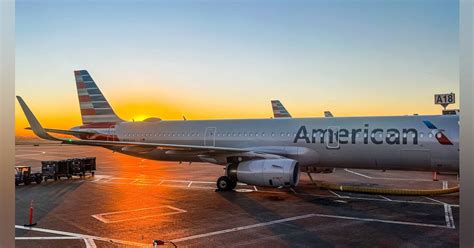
(429, 143)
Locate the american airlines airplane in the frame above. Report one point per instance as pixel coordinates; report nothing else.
(269, 152)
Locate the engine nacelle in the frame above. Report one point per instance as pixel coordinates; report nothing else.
(266, 172)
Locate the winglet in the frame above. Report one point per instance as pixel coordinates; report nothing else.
(34, 123)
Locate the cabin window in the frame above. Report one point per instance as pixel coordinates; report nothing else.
(380, 135)
(372, 135)
(421, 135)
(256, 134)
(404, 135)
(240, 134)
(430, 135)
(245, 134)
(273, 134)
(250, 134)
(263, 134)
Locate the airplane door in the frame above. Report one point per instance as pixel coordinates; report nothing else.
(331, 138)
(210, 136)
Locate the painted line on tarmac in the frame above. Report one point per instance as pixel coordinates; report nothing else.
(235, 229)
(244, 227)
(448, 213)
(90, 243)
(80, 236)
(336, 194)
(359, 174)
(48, 238)
(386, 198)
(429, 198)
(102, 217)
(387, 178)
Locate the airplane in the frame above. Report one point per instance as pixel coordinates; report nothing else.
(271, 152)
(279, 111)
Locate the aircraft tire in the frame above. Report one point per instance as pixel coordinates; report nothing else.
(224, 183)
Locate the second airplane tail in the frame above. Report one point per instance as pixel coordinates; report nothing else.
(94, 107)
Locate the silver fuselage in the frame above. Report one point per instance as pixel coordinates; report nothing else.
(395, 142)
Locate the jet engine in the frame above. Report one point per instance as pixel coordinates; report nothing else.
(266, 172)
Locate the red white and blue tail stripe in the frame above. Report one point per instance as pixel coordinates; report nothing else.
(95, 109)
(279, 111)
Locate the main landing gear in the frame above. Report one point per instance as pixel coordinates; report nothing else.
(225, 183)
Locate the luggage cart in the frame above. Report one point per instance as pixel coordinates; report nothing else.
(55, 169)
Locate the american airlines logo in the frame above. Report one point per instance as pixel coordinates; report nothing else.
(344, 136)
(393, 136)
(438, 133)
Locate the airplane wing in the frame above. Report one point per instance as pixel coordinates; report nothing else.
(66, 132)
(42, 133)
(279, 111)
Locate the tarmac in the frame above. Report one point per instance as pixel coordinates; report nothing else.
(130, 202)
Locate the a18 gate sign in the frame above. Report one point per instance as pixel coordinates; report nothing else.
(444, 99)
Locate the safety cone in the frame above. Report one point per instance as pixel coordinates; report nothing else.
(435, 176)
(30, 224)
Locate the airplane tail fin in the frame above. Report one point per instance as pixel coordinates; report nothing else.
(279, 111)
(94, 106)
